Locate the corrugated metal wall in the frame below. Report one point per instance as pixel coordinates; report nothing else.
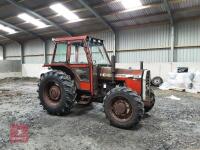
(108, 37)
(13, 51)
(10, 66)
(150, 44)
(188, 54)
(144, 44)
(1, 53)
(144, 55)
(34, 52)
(144, 38)
(187, 35)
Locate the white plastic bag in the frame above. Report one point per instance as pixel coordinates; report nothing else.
(197, 77)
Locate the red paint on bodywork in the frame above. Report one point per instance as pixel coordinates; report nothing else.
(68, 38)
(123, 75)
(135, 85)
(84, 86)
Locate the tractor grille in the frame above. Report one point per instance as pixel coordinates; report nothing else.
(146, 85)
(148, 80)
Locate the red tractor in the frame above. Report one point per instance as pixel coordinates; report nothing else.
(81, 72)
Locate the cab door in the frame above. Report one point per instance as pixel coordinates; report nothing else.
(81, 66)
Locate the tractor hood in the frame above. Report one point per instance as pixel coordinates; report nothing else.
(105, 72)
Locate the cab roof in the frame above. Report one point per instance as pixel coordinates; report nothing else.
(76, 38)
(70, 38)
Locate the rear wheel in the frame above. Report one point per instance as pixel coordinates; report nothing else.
(56, 92)
(123, 107)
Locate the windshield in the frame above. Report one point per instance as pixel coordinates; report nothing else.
(99, 56)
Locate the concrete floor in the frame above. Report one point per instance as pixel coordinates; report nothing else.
(172, 124)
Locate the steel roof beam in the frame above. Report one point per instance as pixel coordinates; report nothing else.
(97, 15)
(167, 7)
(183, 10)
(9, 38)
(29, 11)
(156, 5)
(4, 51)
(20, 29)
(172, 30)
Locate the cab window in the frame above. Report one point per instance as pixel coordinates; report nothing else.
(61, 51)
(78, 55)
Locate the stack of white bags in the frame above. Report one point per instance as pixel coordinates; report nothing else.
(189, 81)
(196, 81)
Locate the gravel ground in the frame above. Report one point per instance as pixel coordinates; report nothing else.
(172, 124)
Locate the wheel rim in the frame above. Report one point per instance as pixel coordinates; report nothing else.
(121, 109)
(157, 81)
(52, 93)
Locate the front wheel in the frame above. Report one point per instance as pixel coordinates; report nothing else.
(123, 107)
(150, 103)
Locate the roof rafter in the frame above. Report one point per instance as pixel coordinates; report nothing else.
(9, 38)
(29, 11)
(20, 29)
(167, 7)
(97, 15)
(183, 10)
(156, 5)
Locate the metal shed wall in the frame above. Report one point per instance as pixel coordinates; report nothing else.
(1, 53)
(143, 55)
(149, 37)
(151, 44)
(187, 41)
(187, 33)
(34, 52)
(148, 43)
(108, 37)
(13, 51)
(188, 54)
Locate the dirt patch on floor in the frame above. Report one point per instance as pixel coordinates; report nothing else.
(9, 80)
(172, 124)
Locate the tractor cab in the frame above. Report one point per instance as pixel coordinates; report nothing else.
(82, 56)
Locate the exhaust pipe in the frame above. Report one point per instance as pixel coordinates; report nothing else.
(113, 68)
(141, 65)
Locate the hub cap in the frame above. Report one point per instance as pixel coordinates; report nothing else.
(157, 81)
(121, 109)
(54, 93)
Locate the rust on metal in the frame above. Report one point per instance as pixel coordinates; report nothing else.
(52, 93)
(121, 109)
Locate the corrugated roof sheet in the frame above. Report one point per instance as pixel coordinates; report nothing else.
(111, 10)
